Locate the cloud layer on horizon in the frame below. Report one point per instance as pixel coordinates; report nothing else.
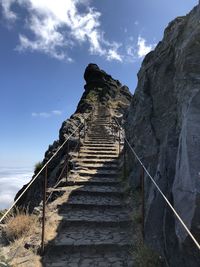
(57, 27)
(11, 180)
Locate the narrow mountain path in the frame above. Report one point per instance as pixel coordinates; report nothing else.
(96, 228)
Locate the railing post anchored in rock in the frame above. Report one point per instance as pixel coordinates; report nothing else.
(124, 154)
(67, 169)
(143, 199)
(44, 209)
(79, 140)
(119, 140)
(84, 129)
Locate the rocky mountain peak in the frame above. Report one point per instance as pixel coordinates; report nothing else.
(101, 88)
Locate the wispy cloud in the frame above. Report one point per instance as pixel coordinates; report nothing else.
(143, 47)
(8, 13)
(46, 114)
(57, 26)
(137, 49)
(57, 112)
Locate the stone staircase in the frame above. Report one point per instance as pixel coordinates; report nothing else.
(96, 228)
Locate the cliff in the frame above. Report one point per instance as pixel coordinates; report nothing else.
(163, 126)
(100, 88)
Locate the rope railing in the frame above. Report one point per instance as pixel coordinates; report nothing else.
(59, 180)
(33, 180)
(44, 168)
(158, 188)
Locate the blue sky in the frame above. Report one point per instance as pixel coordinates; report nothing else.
(45, 46)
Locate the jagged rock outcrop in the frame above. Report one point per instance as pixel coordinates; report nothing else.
(100, 88)
(163, 125)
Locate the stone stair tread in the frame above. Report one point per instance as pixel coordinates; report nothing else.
(98, 152)
(97, 164)
(99, 172)
(92, 179)
(100, 145)
(105, 161)
(86, 236)
(91, 258)
(99, 142)
(96, 215)
(94, 156)
(95, 200)
(88, 188)
(100, 148)
(102, 166)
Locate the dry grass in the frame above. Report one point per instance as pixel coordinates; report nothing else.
(19, 225)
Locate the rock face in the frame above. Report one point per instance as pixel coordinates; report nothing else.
(100, 88)
(163, 125)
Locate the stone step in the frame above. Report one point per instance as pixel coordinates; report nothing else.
(95, 200)
(100, 145)
(96, 161)
(94, 137)
(96, 166)
(98, 152)
(97, 156)
(94, 179)
(95, 217)
(81, 192)
(94, 148)
(99, 173)
(65, 208)
(77, 180)
(100, 140)
(94, 236)
(76, 189)
(99, 134)
(92, 257)
(99, 123)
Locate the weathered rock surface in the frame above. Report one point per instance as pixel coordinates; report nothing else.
(163, 125)
(100, 88)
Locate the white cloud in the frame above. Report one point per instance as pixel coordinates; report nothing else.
(8, 13)
(143, 48)
(113, 55)
(136, 23)
(11, 180)
(46, 114)
(57, 26)
(57, 112)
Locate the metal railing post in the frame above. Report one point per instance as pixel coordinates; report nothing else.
(124, 159)
(119, 140)
(44, 210)
(84, 129)
(67, 169)
(79, 141)
(143, 200)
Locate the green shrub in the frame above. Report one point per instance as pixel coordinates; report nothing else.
(38, 166)
(146, 257)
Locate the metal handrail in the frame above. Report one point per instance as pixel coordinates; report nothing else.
(158, 188)
(45, 180)
(33, 180)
